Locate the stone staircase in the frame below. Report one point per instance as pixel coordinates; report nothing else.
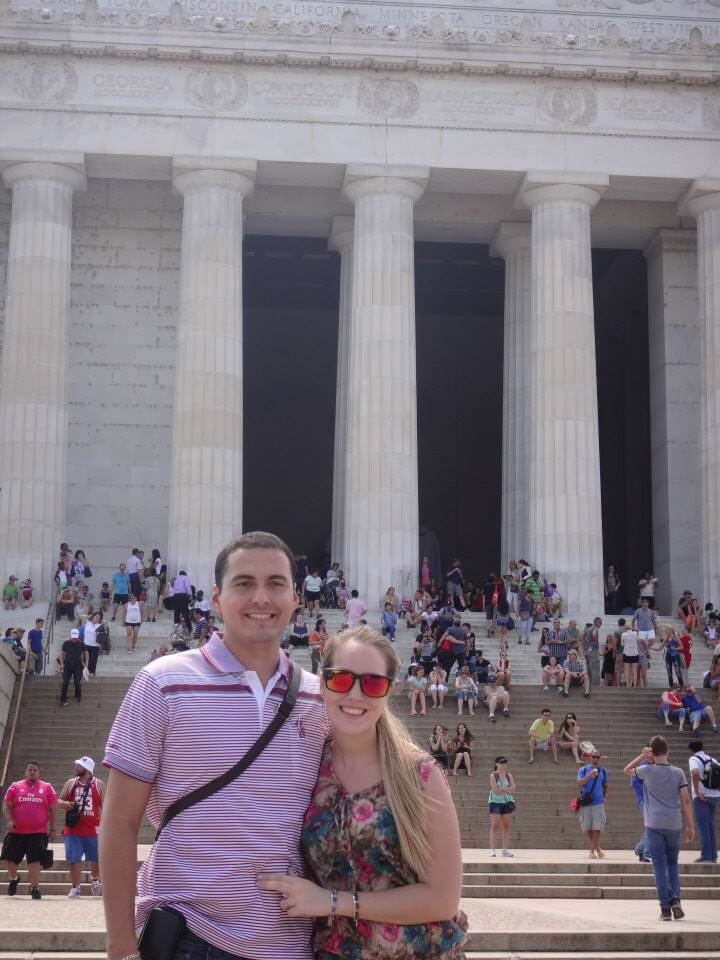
(616, 720)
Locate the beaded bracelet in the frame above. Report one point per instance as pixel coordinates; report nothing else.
(131, 956)
(333, 906)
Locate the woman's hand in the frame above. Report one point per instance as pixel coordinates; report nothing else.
(299, 898)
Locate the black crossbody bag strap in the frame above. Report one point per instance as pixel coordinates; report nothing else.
(208, 789)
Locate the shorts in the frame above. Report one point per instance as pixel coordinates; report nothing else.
(126, 624)
(437, 688)
(501, 808)
(542, 745)
(646, 634)
(574, 677)
(120, 598)
(454, 589)
(593, 817)
(312, 595)
(77, 847)
(627, 659)
(697, 715)
(31, 846)
(464, 695)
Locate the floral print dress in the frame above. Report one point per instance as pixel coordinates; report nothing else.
(350, 840)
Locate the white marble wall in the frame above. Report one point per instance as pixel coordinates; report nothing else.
(674, 359)
(126, 249)
(5, 205)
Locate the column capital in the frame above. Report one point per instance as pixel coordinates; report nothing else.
(363, 179)
(510, 238)
(63, 166)
(231, 174)
(539, 186)
(675, 241)
(342, 233)
(701, 195)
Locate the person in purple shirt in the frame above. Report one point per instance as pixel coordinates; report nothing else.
(182, 591)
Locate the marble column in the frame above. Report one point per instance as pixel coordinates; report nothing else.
(207, 465)
(341, 239)
(703, 202)
(381, 474)
(512, 242)
(35, 366)
(674, 361)
(565, 514)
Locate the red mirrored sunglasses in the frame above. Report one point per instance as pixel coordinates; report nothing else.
(373, 685)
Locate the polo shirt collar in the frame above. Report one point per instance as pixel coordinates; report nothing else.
(224, 660)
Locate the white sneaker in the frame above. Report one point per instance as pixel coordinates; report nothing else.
(492, 853)
(74, 892)
(96, 888)
(507, 853)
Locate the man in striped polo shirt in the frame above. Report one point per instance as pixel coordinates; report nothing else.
(187, 719)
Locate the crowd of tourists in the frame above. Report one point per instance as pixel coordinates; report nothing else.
(368, 757)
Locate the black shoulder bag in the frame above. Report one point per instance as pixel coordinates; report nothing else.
(164, 926)
(72, 816)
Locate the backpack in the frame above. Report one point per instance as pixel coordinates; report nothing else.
(711, 771)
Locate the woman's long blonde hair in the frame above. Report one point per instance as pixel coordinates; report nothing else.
(398, 754)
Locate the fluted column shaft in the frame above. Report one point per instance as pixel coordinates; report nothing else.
(341, 239)
(513, 244)
(34, 379)
(206, 479)
(381, 475)
(564, 503)
(704, 204)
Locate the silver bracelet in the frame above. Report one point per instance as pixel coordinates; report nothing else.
(131, 956)
(333, 907)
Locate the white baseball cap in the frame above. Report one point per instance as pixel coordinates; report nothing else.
(74, 634)
(87, 762)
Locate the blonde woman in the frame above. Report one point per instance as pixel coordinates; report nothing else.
(381, 837)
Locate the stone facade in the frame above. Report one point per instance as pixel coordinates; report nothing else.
(578, 125)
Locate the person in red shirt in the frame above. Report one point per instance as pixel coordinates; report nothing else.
(686, 644)
(29, 807)
(84, 792)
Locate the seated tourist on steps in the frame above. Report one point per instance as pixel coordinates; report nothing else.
(568, 737)
(462, 747)
(495, 693)
(440, 745)
(437, 685)
(465, 691)
(576, 673)
(418, 685)
(542, 736)
(697, 710)
(553, 675)
(671, 706)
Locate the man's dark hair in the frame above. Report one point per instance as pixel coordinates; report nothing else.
(32, 763)
(255, 540)
(695, 746)
(621, 622)
(659, 746)
(354, 593)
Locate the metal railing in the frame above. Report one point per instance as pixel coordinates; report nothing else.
(20, 688)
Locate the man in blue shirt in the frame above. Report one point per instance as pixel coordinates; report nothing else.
(121, 590)
(592, 780)
(35, 642)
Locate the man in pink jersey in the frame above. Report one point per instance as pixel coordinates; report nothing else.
(85, 792)
(187, 719)
(29, 808)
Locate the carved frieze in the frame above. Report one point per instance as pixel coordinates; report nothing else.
(50, 81)
(641, 29)
(216, 89)
(307, 93)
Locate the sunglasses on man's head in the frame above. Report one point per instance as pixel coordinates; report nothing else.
(596, 756)
(374, 685)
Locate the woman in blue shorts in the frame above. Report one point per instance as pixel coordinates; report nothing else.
(502, 803)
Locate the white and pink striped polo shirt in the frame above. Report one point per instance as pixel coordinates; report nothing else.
(186, 719)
